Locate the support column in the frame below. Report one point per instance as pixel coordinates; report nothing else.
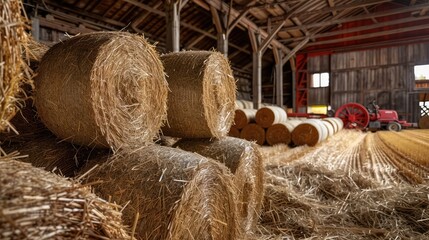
(220, 22)
(35, 28)
(173, 25)
(222, 43)
(255, 39)
(278, 55)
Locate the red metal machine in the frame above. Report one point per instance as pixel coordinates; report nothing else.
(354, 115)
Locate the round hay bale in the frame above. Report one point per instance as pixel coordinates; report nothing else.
(339, 122)
(424, 122)
(333, 123)
(243, 104)
(309, 132)
(103, 89)
(269, 115)
(245, 162)
(278, 133)
(52, 154)
(234, 132)
(178, 194)
(202, 97)
(253, 132)
(14, 70)
(243, 117)
(36, 204)
(329, 128)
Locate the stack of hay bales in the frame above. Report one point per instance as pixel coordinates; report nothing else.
(36, 204)
(245, 162)
(204, 119)
(281, 133)
(312, 131)
(202, 97)
(14, 70)
(103, 90)
(177, 194)
(242, 118)
(108, 91)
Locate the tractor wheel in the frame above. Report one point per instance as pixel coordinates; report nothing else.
(394, 126)
(354, 116)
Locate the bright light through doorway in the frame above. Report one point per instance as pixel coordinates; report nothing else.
(421, 72)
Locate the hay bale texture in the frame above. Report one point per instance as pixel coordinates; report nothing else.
(253, 132)
(36, 204)
(46, 151)
(310, 132)
(269, 115)
(234, 132)
(281, 133)
(245, 162)
(103, 89)
(201, 102)
(424, 122)
(243, 117)
(178, 195)
(13, 69)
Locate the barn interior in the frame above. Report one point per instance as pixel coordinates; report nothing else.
(214, 119)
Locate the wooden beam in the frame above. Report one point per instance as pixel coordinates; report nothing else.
(82, 13)
(424, 11)
(145, 7)
(143, 17)
(296, 49)
(355, 5)
(173, 26)
(371, 35)
(236, 21)
(195, 41)
(374, 20)
(244, 21)
(182, 4)
(332, 4)
(363, 28)
(357, 18)
(273, 33)
(216, 19)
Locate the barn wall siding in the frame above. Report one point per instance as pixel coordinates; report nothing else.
(384, 74)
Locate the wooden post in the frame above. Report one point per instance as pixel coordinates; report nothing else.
(278, 55)
(35, 28)
(173, 25)
(255, 39)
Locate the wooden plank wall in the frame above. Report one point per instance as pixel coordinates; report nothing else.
(384, 74)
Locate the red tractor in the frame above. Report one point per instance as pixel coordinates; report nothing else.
(356, 116)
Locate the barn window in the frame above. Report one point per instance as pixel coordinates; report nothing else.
(319, 80)
(421, 72)
(421, 75)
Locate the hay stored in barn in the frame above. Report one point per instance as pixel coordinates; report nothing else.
(202, 97)
(245, 162)
(243, 117)
(178, 195)
(234, 132)
(424, 122)
(26, 126)
(36, 204)
(36, 50)
(46, 151)
(103, 89)
(253, 132)
(278, 133)
(13, 69)
(310, 132)
(269, 115)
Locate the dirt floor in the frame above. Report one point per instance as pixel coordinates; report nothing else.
(354, 185)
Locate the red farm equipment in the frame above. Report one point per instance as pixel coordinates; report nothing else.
(356, 116)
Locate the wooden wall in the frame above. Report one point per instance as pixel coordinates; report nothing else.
(384, 74)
